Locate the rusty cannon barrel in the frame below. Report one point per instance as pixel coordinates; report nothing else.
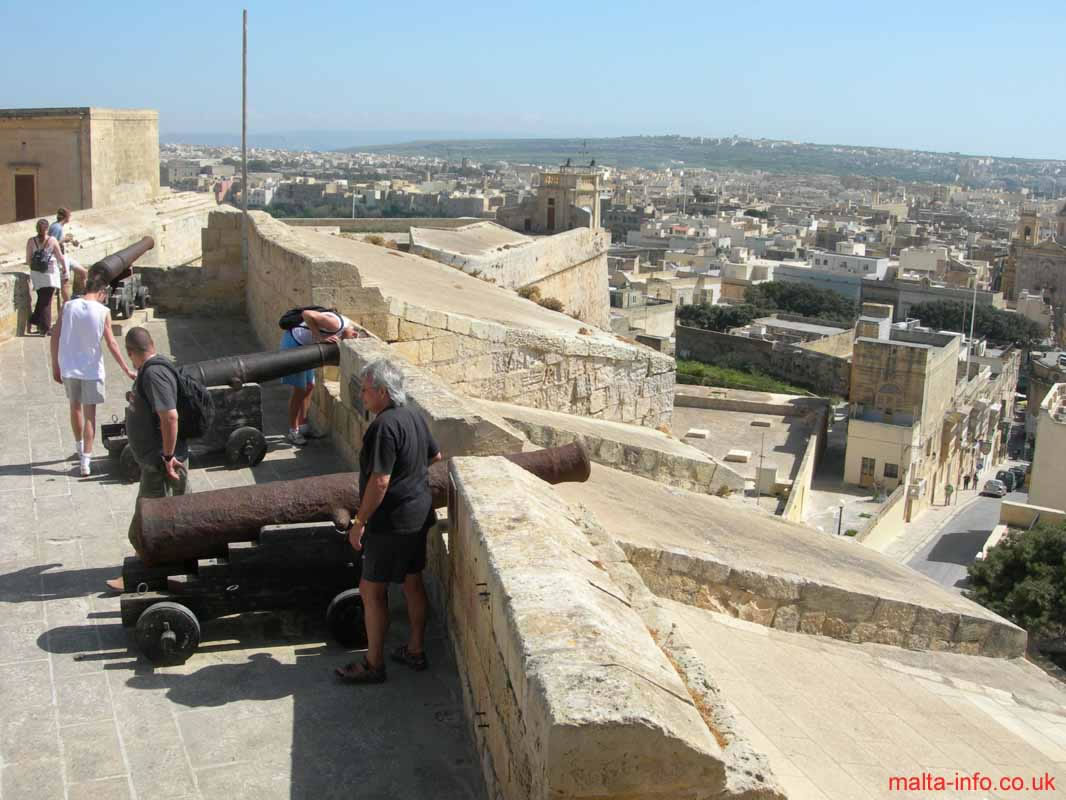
(235, 371)
(193, 526)
(119, 265)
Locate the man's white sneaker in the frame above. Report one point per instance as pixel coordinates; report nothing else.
(296, 438)
(84, 468)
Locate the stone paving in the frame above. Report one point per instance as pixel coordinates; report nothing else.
(255, 712)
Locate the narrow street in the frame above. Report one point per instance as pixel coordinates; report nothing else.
(946, 556)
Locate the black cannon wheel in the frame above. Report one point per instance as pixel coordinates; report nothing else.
(245, 447)
(142, 297)
(345, 619)
(127, 308)
(167, 633)
(128, 466)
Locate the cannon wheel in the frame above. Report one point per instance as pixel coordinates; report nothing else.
(245, 447)
(143, 298)
(128, 466)
(127, 308)
(345, 619)
(167, 633)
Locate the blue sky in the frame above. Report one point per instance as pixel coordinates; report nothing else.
(973, 77)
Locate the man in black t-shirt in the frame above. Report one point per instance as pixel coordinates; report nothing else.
(394, 516)
(152, 428)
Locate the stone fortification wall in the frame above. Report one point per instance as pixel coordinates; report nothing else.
(592, 374)
(820, 372)
(15, 305)
(458, 428)
(217, 287)
(839, 345)
(803, 605)
(888, 523)
(174, 221)
(560, 674)
(378, 224)
(570, 266)
(640, 451)
(796, 506)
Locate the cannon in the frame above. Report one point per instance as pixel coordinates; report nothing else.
(237, 426)
(127, 290)
(275, 546)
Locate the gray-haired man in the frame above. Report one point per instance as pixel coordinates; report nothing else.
(395, 514)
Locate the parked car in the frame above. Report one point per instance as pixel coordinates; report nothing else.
(1007, 478)
(994, 488)
(1019, 472)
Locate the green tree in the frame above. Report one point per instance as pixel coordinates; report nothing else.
(995, 325)
(1023, 578)
(807, 301)
(717, 318)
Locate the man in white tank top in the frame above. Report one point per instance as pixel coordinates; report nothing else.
(78, 360)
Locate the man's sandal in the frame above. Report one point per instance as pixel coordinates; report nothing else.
(416, 661)
(357, 672)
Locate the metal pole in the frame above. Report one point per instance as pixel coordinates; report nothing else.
(244, 146)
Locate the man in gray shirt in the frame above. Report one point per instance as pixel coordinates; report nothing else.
(152, 428)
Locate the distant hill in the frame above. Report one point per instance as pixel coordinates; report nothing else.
(729, 153)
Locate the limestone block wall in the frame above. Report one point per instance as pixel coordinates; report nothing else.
(14, 304)
(570, 266)
(458, 429)
(589, 376)
(795, 604)
(567, 692)
(174, 221)
(378, 224)
(592, 375)
(697, 472)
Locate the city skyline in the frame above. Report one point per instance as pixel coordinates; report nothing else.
(952, 79)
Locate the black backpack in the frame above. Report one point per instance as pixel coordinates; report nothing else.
(41, 258)
(196, 410)
(293, 318)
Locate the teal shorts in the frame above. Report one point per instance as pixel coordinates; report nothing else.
(301, 380)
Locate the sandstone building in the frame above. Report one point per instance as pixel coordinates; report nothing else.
(77, 158)
(566, 198)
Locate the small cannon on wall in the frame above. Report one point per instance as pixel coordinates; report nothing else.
(272, 546)
(127, 290)
(237, 427)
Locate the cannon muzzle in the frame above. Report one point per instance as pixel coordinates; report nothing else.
(194, 526)
(119, 265)
(235, 371)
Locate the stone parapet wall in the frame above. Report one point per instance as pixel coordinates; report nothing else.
(593, 374)
(589, 376)
(174, 221)
(15, 304)
(797, 605)
(458, 428)
(694, 471)
(378, 224)
(569, 695)
(570, 267)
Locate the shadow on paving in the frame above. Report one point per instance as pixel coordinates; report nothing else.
(404, 738)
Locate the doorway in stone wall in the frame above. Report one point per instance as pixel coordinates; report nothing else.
(25, 197)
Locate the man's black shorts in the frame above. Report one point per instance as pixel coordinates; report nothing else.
(391, 557)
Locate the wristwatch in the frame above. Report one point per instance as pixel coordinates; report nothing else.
(166, 457)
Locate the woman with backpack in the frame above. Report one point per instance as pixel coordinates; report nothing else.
(305, 326)
(44, 257)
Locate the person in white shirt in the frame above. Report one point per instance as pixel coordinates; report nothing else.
(78, 360)
(45, 274)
